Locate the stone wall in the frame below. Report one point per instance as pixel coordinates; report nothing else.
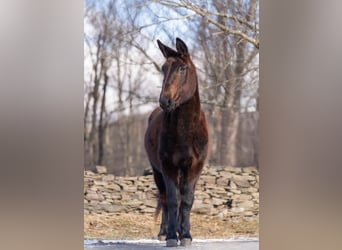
(224, 193)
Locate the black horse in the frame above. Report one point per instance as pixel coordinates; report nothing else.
(176, 142)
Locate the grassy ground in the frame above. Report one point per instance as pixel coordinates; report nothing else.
(135, 226)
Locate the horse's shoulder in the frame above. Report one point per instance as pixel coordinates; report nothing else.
(154, 114)
(201, 140)
(203, 120)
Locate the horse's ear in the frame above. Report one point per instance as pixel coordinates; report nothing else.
(167, 51)
(181, 47)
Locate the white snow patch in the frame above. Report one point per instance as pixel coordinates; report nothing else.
(151, 241)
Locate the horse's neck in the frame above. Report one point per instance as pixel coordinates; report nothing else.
(187, 114)
(192, 108)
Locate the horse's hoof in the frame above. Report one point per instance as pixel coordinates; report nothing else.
(162, 237)
(185, 242)
(171, 243)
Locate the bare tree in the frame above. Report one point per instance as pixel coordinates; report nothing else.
(227, 34)
(102, 40)
(242, 23)
(121, 51)
(114, 88)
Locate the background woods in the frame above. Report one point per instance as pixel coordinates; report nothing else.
(123, 79)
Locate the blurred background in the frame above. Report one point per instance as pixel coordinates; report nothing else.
(122, 76)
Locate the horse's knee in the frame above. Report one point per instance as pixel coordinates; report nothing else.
(187, 203)
(172, 203)
(172, 194)
(187, 198)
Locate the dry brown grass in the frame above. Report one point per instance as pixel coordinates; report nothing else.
(133, 226)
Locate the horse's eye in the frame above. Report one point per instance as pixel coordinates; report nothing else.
(164, 68)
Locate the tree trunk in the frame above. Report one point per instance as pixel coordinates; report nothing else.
(86, 132)
(229, 139)
(231, 111)
(102, 125)
(95, 95)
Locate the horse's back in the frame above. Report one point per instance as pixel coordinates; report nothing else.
(151, 137)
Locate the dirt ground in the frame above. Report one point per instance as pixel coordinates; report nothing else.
(135, 226)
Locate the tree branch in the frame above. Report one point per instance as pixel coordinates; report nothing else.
(205, 14)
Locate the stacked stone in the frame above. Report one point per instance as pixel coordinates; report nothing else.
(222, 192)
(112, 194)
(228, 192)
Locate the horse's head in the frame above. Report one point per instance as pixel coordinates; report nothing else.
(180, 80)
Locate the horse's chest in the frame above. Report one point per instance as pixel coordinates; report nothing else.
(177, 153)
(177, 144)
(182, 157)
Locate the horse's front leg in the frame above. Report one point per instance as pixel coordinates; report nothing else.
(172, 193)
(187, 200)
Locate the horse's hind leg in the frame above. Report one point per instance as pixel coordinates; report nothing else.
(158, 178)
(163, 225)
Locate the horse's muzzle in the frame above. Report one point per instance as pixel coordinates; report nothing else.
(167, 104)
